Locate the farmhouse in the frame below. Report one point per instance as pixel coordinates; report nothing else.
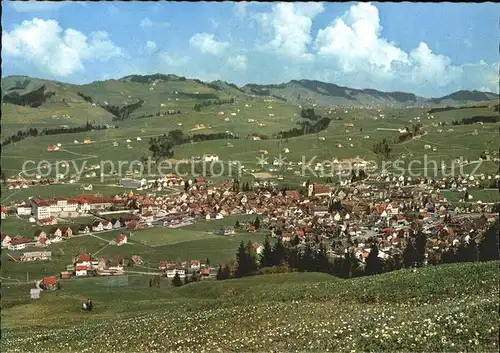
(52, 148)
(226, 231)
(35, 256)
(49, 283)
(24, 210)
(81, 270)
(4, 212)
(87, 141)
(121, 239)
(97, 226)
(177, 270)
(18, 243)
(5, 240)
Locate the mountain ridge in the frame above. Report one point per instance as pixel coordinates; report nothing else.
(303, 91)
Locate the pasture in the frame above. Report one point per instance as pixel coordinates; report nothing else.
(388, 312)
(337, 141)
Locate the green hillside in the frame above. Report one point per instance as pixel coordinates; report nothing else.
(435, 309)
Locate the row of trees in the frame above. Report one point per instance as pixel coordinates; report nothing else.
(306, 127)
(207, 103)
(162, 147)
(383, 148)
(491, 119)
(34, 132)
(313, 257)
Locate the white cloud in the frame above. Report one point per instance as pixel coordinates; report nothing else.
(481, 75)
(238, 62)
(58, 52)
(290, 27)
(146, 23)
(207, 43)
(150, 46)
(353, 44)
(173, 61)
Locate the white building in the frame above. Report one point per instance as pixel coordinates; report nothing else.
(41, 208)
(181, 272)
(24, 210)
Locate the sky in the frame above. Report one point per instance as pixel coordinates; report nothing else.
(430, 49)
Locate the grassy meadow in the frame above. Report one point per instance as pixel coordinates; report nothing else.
(401, 311)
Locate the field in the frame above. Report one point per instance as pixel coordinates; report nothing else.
(305, 149)
(196, 241)
(400, 311)
(248, 114)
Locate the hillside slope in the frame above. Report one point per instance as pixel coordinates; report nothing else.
(435, 309)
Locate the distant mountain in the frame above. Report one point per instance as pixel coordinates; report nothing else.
(146, 92)
(322, 93)
(465, 97)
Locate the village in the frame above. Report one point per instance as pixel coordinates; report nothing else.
(345, 218)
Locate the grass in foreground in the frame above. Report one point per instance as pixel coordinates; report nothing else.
(445, 308)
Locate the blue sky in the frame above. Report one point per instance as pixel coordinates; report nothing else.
(429, 49)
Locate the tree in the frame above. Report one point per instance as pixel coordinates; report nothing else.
(177, 281)
(237, 224)
(373, 263)
(306, 260)
(256, 223)
(195, 277)
(246, 260)
(295, 240)
(207, 261)
(322, 262)
(266, 258)
(251, 258)
(279, 252)
(349, 264)
(420, 247)
(223, 273)
(488, 248)
(162, 147)
(409, 254)
(186, 280)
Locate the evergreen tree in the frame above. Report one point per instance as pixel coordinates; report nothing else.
(420, 247)
(472, 253)
(195, 277)
(322, 262)
(488, 248)
(307, 259)
(295, 240)
(256, 223)
(177, 281)
(349, 265)
(237, 224)
(223, 273)
(241, 261)
(251, 258)
(266, 257)
(207, 261)
(373, 263)
(409, 254)
(279, 252)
